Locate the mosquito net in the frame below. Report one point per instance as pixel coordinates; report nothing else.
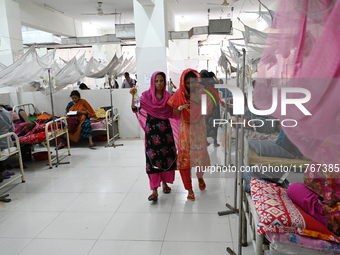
(302, 56)
(267, 16)
(32, 69)
(26, 69)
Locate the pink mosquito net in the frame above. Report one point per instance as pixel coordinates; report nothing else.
(303, 51)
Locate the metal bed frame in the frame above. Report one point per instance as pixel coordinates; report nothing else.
(26, 107)
(250, 214)
(60, 128)
(110, 122)
(10, 151)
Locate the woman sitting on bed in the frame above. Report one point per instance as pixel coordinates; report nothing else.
(83, 128)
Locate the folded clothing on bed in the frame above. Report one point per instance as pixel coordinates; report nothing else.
(284, 242)
(278, 213)
(42, 118)
(100, 113)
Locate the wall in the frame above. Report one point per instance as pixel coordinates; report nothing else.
(151, 28)
(10, 32)
(39, 17)
(183, 54)
(171, 19)
(8, 96)
(128, 123)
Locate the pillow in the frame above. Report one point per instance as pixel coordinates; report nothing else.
(269, 149)
(248, 175)
(15, 116)
(278, 213)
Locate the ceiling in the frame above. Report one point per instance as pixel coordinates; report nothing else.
(189, 13)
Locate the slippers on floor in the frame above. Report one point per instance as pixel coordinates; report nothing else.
(6, 176)
(4, 199)
(166, 190)
(153, 197)
(202, 185)
(191, 197)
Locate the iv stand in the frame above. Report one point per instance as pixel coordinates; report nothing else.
(241, 219)
(233, 209)
(54, 123)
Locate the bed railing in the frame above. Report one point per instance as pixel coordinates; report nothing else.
(26, 107)
(10, 151)
(60, 128)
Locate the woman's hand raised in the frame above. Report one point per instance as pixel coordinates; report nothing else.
(133, 91)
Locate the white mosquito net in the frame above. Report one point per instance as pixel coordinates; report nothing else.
(32, 69)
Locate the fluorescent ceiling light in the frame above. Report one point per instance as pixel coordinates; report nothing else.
(52, 8)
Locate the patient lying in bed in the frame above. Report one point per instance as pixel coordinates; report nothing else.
(30, 132)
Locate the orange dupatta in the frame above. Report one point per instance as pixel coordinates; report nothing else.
(81, 105)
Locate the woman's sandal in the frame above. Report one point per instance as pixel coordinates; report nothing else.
(202, 186)
(4, 199)
(166, 190)
(191, 197)
(153, 197)
(6, 176)
(92, 145)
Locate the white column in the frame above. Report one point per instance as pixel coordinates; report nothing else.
(151, 31)
(10, 32)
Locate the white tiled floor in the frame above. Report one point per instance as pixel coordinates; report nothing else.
(98, 205)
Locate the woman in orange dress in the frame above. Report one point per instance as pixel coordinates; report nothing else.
(84, 111)
(192, 138)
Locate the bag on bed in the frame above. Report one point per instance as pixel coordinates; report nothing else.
(72, 123)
